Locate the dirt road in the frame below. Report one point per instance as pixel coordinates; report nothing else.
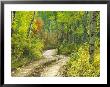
(49, 66)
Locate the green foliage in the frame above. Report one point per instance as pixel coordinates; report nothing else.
(22, 21)
(24, 49)
(68, 31)
(79, 66)
(67, 49)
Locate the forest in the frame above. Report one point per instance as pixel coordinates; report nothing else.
(55, 43)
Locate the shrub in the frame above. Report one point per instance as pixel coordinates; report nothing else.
(80, 67)
(25, 49)
(68, 48)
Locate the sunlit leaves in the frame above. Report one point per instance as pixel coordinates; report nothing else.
(80, 67)
(22, 21)
(64, 30)
(25, 48)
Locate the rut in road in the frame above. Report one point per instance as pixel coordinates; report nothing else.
(53, 70)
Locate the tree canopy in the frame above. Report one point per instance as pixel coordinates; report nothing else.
(74, 33)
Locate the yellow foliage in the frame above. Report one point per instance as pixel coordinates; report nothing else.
(81, 67)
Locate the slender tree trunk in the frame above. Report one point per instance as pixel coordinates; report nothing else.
(84, 22)
(12, 16)
(70, 33)
(30, 26)
(12, 19)
(92, 37)
(55, 13)
(45, 18)
(62, 36)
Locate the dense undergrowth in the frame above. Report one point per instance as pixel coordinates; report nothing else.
(79, 66)
(25, 50)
